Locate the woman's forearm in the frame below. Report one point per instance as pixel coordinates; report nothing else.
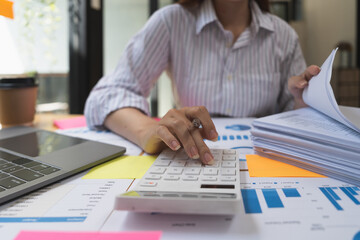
(131, 124)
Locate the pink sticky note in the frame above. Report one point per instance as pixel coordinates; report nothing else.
(36, 235)
(70, 122)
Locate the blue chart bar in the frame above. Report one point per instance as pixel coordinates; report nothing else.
(251, 201)
(346, 191)
(238, 137)
(224, 138)
(351, 190)
(272, 198)
(231, 137)
(356, 188)
(331, 199)
(332, 193)
(291, 192)
(246, 137)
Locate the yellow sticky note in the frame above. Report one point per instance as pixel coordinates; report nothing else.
(6, 9)
(122, 167)
(265, 167)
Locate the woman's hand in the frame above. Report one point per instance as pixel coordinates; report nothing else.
(297, 84)
(175, 129)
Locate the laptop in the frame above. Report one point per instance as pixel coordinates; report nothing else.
(31, 158)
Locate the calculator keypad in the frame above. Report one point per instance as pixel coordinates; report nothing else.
(175, 171)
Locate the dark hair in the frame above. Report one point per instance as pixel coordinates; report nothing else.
(263, 4)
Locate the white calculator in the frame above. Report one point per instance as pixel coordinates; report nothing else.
(176, 183)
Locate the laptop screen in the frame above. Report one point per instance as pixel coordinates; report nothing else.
(39, 143)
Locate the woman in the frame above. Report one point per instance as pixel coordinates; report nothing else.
(224, 57)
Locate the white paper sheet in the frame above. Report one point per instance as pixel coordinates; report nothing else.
(320, 96)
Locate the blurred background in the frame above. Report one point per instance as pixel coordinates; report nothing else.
(69, 44)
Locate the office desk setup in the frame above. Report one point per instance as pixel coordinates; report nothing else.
(286, 204)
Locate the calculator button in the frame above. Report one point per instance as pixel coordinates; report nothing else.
(148, 184)
(214, 165)
(162, 163)
(229, 157)
(167, 155)
(182, 156)
(209, 179)
(171, 178)
(153, 177)
(178, 163)
(211, 171)
(228, 164)
(213, 151)
(190, 178)
(192, 171)
(228, 172)
(228, 179)
(175, 171)
(193, 164)
(229, 151)
(157, 170)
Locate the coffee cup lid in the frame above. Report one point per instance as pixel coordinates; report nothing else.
(17, 82)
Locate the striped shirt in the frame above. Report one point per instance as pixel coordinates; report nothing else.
(247, 78)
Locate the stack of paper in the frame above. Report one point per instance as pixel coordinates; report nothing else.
(324, 138)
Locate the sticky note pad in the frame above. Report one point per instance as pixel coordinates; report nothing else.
(265, 167)
(70, 122)
(6, 9)
(122, 167)
(37, 235)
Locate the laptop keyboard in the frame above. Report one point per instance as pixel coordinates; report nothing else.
(16, 170)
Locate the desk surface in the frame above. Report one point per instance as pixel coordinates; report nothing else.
(272, 208)
(46, 120)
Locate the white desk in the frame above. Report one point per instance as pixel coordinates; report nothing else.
(303, 212)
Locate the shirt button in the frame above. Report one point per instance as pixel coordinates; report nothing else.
(228, 111)
(229, 77)
(228, 45)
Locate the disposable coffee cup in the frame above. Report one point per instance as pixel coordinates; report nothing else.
(17, 101)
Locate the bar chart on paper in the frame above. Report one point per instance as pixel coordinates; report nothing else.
(262, 200)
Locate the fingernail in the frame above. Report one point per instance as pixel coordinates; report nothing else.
(213, 136)
(175, 145)
(208, 158)
(194, 153)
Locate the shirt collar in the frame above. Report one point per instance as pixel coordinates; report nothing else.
(259, 19)
(207, 15)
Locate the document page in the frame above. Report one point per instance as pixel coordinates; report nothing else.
(320, 96)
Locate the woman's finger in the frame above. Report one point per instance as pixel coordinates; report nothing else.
(168, 138)
(207, 124)
(205, 155)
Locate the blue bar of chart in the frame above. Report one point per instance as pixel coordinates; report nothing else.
(350, 195)
(233, 137)
(334, 198)
(291, 192)
(251, 201)
(272, 198)
(331, 198)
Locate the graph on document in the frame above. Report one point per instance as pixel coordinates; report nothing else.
(261, 200)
